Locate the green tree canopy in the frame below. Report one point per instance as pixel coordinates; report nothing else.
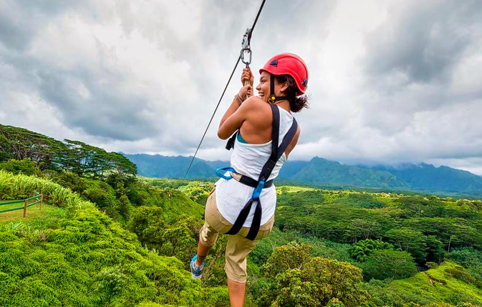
(382, 264)
(301, 280)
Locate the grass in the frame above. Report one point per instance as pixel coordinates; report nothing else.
(437, 285)
(32, 213)
(10, 206)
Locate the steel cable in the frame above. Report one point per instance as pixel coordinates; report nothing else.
(224, 91)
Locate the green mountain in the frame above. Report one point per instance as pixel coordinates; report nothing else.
(86, 160)
(170, 167)
(323, 172)
(426, 177)
(291, 168)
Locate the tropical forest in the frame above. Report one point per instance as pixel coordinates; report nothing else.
(101, 235)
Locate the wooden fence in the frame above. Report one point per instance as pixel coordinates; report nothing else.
(28, 202)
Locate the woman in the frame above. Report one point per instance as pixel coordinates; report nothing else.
(283, 80)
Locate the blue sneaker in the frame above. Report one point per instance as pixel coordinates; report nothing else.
(196, 270)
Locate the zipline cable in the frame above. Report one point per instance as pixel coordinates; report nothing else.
(232, 73)
(246, 44)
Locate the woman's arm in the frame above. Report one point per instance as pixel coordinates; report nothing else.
(235, 104)
(225, 131)
(234, 118)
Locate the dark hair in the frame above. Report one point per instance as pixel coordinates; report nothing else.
(297, 103)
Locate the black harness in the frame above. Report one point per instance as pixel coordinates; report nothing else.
(258, 185)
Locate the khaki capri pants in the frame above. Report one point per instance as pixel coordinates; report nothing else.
(238, 246)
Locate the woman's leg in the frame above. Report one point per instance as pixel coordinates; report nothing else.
(237, 291)
(207, 234)
(237, 250)
(202, 252)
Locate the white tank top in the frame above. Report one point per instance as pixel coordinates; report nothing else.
(249, 159)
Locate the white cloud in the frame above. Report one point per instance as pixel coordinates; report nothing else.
(389, 81)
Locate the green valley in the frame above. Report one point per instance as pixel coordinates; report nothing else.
(106, 237)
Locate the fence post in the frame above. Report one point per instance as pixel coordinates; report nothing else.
(25, 207)
(41, 200)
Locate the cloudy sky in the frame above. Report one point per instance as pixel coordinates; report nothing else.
(390, 81)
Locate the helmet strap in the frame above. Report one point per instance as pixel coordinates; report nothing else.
(272, 98)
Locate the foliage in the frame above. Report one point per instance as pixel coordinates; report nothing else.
(293, 278)
(452, 232)
(362, 249)
(409, 240)
(11, 186)
(300, 198)
(382, 264)
(103, 195)
(19, 144)
(50, 154)
(434, 287)
(87, 160)
(287, 257)
(469, 258)
(63, 259)
(176, 240)
(197, 191)
(25, 166)
(70, 181)
(288, 267)
(422, 226)
(360, 200)
(173, 202)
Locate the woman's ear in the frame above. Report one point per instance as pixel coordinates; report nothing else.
(284, 86)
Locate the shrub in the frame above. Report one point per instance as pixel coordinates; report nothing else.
(25, 167)
(382, 264)
(432, 265)
(13, 185)
(362, 249)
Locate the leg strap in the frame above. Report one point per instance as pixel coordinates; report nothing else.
(243, 215)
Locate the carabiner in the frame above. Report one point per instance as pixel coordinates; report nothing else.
(221, 172)
(246, 52)
(246, 47)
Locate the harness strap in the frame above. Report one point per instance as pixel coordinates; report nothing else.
(253, 183)
(221, 172)
(231, 141)
(258, 185)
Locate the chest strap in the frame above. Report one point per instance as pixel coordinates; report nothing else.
(258, 185)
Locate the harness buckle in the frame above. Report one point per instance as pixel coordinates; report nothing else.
(258, 189)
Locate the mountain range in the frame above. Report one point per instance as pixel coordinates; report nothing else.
(418, 177)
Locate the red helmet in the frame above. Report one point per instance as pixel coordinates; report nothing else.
(289, 64)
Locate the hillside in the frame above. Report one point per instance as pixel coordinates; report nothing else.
(59, 257)
(78, 256)
(135, 250)
(106, 237)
